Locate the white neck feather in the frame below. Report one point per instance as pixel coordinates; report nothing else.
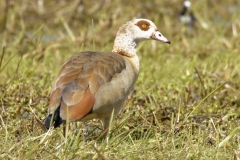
(125, 45)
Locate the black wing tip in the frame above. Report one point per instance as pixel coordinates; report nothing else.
(56, 120)
(48, 121)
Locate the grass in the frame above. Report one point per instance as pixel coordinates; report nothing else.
(185, 104)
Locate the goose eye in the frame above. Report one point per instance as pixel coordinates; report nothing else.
(144, 26)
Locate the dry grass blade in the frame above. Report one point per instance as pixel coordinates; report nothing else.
(69, 31)
(1, 59)
(223, 142)
(203, 100)
(2, 67)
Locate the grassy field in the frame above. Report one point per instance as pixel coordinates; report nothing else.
(185, 104)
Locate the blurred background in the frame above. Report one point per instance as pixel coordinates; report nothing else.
(79, 19)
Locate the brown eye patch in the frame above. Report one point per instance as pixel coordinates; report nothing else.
(143, 25)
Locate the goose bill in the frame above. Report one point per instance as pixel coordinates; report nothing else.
(159, 37)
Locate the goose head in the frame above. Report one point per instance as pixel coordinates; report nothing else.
(135, 31)
(144, 29)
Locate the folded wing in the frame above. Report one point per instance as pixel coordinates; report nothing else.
(78, 81)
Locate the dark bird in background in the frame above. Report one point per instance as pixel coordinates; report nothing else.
(186, 16)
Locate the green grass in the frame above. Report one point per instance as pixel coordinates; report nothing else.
(185, 104)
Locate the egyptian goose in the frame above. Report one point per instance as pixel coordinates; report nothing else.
(96, 84)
